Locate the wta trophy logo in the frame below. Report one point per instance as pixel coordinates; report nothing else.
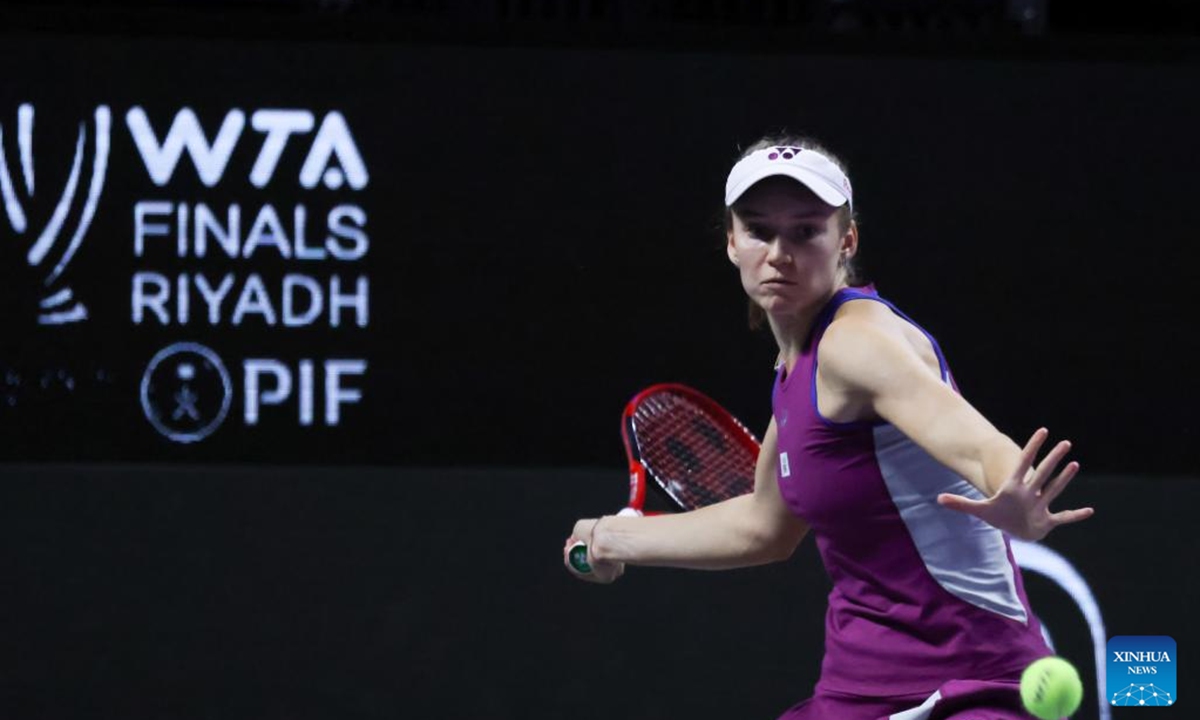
(54, 241)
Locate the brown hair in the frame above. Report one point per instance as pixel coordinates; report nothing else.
(845, 215)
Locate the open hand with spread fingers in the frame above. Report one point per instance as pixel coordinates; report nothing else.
(1021, 505)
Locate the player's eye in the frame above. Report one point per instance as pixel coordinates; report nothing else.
(804, 233)
(759, 232)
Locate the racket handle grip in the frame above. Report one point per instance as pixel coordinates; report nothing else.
(578, 553)
(577, 556)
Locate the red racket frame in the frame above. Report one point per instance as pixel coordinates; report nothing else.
(638, 469)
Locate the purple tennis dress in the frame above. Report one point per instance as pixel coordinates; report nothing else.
(928, 617)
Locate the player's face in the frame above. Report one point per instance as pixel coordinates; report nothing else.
(786, 244)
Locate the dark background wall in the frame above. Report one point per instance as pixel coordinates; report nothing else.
(544, 239)
(310, 593)
(543, 216)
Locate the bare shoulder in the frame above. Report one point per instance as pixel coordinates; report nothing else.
(867, 311)
(863, 342)
(857, 325)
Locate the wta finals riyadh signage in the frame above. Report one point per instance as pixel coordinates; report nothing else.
(247, 262)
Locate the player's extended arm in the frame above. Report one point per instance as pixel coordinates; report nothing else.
(752, 529)
(865, 353)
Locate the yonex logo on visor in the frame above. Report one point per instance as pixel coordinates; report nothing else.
(809, 167)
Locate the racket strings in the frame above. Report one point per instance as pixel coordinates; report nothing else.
(699, 459)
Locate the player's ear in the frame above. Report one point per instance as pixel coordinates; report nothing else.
(730, 248)
(850, 240)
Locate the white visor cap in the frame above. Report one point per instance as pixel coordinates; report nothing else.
(809, 167)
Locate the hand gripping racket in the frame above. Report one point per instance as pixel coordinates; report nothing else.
(696, 453)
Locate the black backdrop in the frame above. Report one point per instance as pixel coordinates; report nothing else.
(316, 593)
(544, 242)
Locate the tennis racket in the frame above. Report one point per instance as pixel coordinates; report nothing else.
(683, 443)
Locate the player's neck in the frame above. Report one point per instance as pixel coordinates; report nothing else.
(792, 331)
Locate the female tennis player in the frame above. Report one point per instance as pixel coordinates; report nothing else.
(909, 491)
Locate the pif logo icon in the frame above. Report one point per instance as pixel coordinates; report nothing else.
(1141, 671)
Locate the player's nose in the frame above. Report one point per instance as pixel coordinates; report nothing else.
(777, 254)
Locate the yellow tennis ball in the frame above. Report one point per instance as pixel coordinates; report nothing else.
(1051, 689)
